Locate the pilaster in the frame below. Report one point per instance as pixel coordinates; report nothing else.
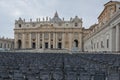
(16, 41)
(54, 40)
(38, 40)
(49, 45)
(70, 41)
(23, 41)
(30, 41)
(117, 38)
(63, 41)
(80, 42)
(43, 41)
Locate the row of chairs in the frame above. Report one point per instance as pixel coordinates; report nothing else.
(59, 66)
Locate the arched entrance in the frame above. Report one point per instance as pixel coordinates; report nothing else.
(19, 44)
(75, 43)
(59, 45)
(46, 45)
(33, 45)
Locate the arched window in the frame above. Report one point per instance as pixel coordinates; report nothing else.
(51, 24)
(20, 25)
(76, 24)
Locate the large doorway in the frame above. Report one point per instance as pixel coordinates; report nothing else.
(75, 43)
(59, 45)
(46, 45)
(19, 44)
(33, 45)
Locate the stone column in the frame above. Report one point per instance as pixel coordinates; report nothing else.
(63, 40)
(43, 42)
(16, 41)
(54, 40)
(80, 42)
(49, 45)
(30, 41)
(38, 40)
(117, 37)
(70, 41)
(23, 41)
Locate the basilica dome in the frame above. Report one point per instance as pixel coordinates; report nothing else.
(56, 18)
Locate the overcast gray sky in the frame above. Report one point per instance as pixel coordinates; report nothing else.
(10, 10)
